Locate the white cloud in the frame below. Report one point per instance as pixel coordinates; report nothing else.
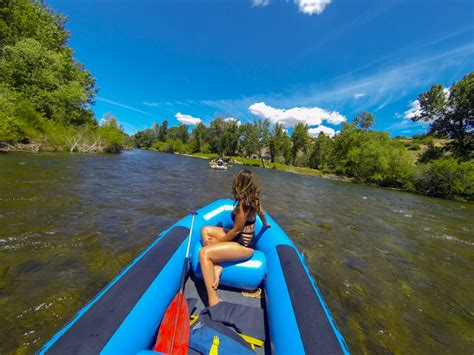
(229, 119)
(262, 3)
(152, 104)
(415, 107)
(328, 131)
(187, 119)
(311, 116)
(359, 95)
(310, 7)
(414, 110)
(387, 84)
(118, 104)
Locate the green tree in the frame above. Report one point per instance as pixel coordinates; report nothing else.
(301, 143)
(175, 146)
(183, 133)
(143, 139)
(347, 138)
(280, 145)
(231, 137)
(19, 120)
(321, 151)
(365, 120)
(198, 139)
(216, 134)
(56, 85)
(112, 133)
(248, 139)
(371, 157)
(155, 130)
(276, 142)
(180, 132)
(263, 137)
(39, 74)
(22, 19)
(451, 115)
(163, 131)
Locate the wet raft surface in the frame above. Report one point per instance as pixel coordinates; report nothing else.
(195, 288)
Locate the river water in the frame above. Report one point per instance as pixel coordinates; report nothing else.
(396, 269)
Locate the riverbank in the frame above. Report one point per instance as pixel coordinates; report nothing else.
(53, 137)
(42, 147)
(312, 172)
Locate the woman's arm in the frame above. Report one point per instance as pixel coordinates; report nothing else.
(239, 224)
(261, 213)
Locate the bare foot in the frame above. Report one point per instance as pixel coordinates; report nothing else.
(217, 276)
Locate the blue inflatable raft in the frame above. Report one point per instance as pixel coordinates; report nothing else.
(124, 317)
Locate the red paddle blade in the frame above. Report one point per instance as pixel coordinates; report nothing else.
(175, 321)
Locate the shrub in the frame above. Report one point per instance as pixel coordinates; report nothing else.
(371, 157)
(175, 145)
(414, 146)
(431, 153)
(172, 146)
(446, 177)
(160, 146)
(18, 119)
(111, 133)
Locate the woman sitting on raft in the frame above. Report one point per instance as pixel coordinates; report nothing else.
(232, 244)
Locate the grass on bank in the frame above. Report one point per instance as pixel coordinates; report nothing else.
(416, 147)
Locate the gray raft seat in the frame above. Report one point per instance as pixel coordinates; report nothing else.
(243, 274)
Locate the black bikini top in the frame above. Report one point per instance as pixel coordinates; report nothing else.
(248, 222)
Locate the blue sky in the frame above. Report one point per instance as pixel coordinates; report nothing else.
(316, 61)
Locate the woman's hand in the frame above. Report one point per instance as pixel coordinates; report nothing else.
(210, 240)
(263, 218)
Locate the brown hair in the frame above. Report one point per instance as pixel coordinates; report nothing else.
(245, 190)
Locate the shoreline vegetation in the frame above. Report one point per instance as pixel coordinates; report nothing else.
(45, 94)
(303, 171)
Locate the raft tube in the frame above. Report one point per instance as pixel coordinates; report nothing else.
(218, 167)
(124, 317)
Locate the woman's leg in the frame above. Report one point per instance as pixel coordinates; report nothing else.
(217, 276)
(212, 235)
(216, 253)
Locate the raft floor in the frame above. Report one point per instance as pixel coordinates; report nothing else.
(195, 288)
